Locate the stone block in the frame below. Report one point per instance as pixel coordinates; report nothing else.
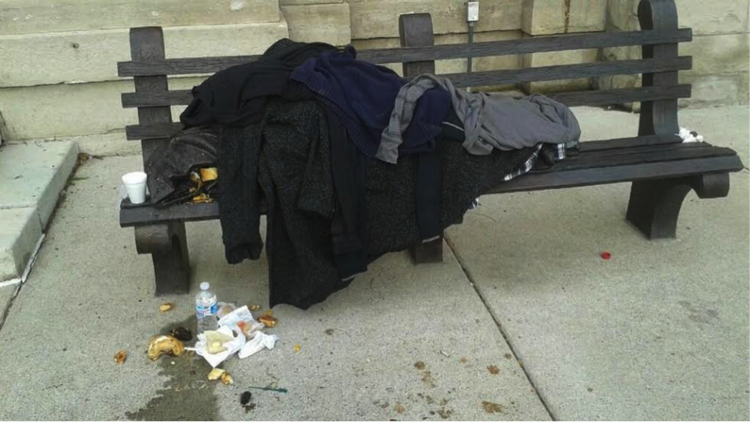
(622, 15)
(716, 90)
(379, 18)
(40, 16)
(556, 59)
(563, 16)
(65, 110)
(299, 2)
(92, 56)
(744, 94)
(714, 17)
(33, 175)
(718, 54)
(20, 231)
(328, 23)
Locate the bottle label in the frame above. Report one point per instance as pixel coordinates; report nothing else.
(203, 311)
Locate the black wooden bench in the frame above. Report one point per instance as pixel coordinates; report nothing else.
(661, 168)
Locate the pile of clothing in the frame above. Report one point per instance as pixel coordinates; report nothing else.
(348, 160)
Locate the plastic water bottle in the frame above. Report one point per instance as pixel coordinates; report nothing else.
(205, 308)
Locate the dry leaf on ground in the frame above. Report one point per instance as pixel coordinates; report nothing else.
(121, 357)
(490, 407)
(494, 370)
(166, 307)
(399, 408)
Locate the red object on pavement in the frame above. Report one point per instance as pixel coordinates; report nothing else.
(606, 256)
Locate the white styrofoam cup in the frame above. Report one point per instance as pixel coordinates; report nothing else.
(135, 183)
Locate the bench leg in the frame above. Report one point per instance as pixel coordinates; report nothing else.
(167, 244)
(427, 253)
(655, 204)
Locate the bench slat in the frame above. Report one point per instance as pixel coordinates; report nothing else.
(622, 96)
(572, 99)
(640, 155)
(617, 174)
(624, 161)
(206, 65)
(591, 146)
(497, 77)
(526, 46)
(138, 216)
(571, 71)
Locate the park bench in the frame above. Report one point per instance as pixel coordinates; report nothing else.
(661, 168)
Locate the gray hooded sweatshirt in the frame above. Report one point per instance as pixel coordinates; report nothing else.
(491, 121)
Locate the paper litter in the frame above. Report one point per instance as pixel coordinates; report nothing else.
(689, 136)
(238, 332)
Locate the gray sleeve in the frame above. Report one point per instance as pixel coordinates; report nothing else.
(402, 115)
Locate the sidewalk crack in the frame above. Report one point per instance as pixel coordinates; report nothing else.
(495, 318)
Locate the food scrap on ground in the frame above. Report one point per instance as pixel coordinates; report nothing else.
(226, 379)
(492, 369)
(490, 407)
(606, 255)
(166, 307)
(121, 357)
(267, 319)
(254, 308)
(215, 374)
(297, 348)
(165, 345)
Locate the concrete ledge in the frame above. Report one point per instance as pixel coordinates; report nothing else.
(20, 230)
(33, 175)
(38, 16)
(92, 56)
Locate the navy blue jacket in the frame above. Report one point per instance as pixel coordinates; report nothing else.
(363, 94)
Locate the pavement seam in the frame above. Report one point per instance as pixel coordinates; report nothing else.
(495, 318)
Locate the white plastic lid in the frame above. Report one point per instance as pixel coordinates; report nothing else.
(205, 286)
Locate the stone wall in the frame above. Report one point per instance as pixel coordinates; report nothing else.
(720, 49)
(58, 58)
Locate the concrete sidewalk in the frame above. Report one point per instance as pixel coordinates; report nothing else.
(660, 331)
(90, 295)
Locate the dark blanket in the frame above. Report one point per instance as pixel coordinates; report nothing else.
(237, 96)
(285, 159)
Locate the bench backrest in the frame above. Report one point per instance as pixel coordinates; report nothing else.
(659, 39)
